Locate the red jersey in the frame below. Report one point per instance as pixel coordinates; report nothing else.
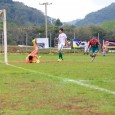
(94, 42)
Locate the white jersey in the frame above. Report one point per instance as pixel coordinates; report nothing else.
(62, 39)
(86, 46)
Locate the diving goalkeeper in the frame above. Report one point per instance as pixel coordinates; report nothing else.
(32, 57)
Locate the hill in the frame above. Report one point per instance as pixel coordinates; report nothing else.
(109, 25)
(72, 22)
(105, 14)
(21, 14)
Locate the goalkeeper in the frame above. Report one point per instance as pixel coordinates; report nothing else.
(32, 57)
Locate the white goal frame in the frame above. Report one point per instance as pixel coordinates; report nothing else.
(3, 14)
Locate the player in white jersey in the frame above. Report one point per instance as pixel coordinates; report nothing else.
(86, 51)
(62, 41)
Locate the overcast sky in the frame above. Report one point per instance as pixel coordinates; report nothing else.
(68, 10)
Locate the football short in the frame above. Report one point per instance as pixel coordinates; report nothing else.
(94, 50)
(60, 47)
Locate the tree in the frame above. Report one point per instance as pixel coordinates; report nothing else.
(58, 23)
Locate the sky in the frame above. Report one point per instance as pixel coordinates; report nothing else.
(68, 10)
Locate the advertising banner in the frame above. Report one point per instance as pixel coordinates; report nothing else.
(42, 42)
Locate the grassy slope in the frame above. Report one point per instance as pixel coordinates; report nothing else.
(24, 92)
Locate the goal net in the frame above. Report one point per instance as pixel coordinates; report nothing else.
(3, 37)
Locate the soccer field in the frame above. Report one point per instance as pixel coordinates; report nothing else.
(75, 86)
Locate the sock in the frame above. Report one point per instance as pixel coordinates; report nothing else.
(61, 55)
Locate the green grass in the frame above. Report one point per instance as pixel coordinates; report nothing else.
(40, 89)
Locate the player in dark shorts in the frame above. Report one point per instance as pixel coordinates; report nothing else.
(93, 47)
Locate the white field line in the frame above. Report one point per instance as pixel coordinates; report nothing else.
(107, 80)
(33, 71)
(90, 86)
(78, 82)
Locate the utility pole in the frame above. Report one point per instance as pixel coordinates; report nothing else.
(98, 37)
(26, 41)
(50, 41)
(74, 35)
(46, 3)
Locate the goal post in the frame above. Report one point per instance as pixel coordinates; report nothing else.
(3, 15)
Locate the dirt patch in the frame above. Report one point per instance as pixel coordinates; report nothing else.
(5, 103)
(70, 105)
(88, 110)
(46, 98)
(2, 98)
(73, 105)
(58, 105)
